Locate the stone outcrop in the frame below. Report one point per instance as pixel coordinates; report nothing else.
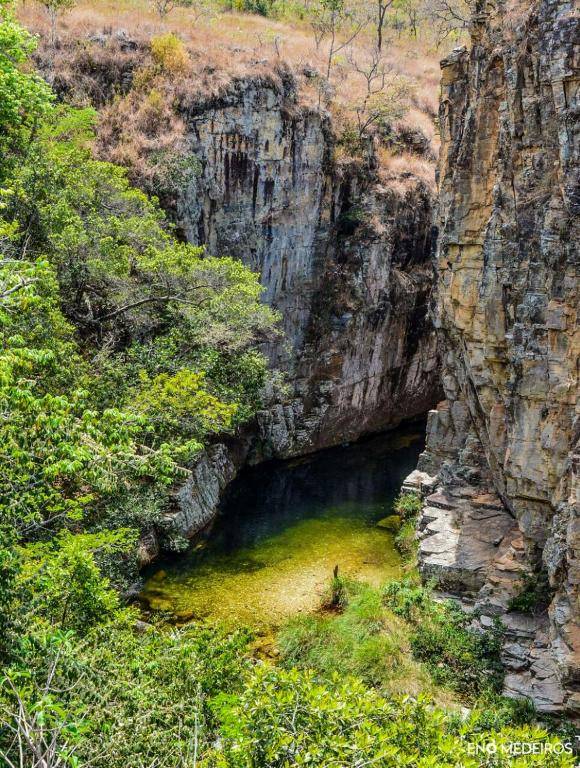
(460, 535)
(344, 258)
(505, 442)
(197, 499)
(195, 502)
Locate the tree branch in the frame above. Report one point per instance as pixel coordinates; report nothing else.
(148, 300)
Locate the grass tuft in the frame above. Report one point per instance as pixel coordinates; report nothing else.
(367, 640)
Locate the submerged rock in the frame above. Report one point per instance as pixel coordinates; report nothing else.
(390, 523)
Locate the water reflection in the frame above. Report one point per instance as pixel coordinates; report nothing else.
(282, 529)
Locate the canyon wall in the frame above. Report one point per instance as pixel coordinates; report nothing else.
(504, 444)
(344, 258)
(343, 246)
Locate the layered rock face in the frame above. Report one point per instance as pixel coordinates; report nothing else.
(505, 442)
(345, 260)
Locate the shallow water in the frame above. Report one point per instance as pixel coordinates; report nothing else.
(283, 528)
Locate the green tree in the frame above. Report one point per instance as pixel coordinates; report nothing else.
(61, 583)
(121, 351)
(24, 97)
(58, 454)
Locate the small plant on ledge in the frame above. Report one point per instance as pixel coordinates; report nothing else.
(407, 506)
(535, 595)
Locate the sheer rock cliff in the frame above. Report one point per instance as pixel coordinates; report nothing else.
(343, 256)
(343, 248)
(504, 444)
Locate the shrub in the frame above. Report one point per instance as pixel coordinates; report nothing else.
(457, 656)
(259, 7)
(337, 595)
(349, 220)
(494, 712)
(152, 112)
(169, 53)
(408, 599)
(290, 718)
(408, 505)
(406, 541)
(351, 142)
(131, 698)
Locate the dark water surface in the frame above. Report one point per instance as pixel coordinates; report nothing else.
(282, 529)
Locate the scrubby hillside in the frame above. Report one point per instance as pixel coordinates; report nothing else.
(101, 46)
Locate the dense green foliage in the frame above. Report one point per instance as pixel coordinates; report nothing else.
(290, 718)
(24, 97)
(407, 505)
(122, 351)
(458, 656)
(130, 698)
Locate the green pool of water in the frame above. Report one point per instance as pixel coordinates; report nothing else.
(283, 528)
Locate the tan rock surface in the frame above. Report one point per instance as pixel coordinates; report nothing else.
(507, 313)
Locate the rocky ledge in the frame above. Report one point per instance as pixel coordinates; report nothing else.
(472, 548)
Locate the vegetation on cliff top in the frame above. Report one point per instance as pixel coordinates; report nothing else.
(145, 70)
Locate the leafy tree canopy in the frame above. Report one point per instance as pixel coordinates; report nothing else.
(122, 351)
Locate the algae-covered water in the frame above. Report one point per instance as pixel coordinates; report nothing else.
(284, 527)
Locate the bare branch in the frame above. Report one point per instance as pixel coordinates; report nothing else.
(18, 287)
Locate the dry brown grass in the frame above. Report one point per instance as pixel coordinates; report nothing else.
(220, 48)
(401, 170)
(238, 43)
